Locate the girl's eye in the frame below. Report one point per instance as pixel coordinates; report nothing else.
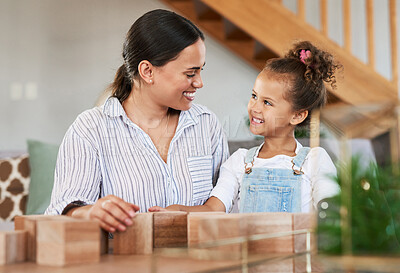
(190, 76)
(267, 103)
(253, 96)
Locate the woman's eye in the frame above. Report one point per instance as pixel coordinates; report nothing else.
(253, 96)
(267, 103)
(190, 76)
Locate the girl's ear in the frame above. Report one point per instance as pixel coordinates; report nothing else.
(145, 69)
(299, 117)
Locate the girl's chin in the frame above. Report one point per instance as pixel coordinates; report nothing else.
(254, 131)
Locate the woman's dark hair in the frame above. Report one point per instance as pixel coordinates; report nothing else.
(158, 36)
(304, 69)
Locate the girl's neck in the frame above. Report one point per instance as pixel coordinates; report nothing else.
(278, 146)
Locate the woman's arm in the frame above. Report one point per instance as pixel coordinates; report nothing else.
(212, 204)
(78, 181)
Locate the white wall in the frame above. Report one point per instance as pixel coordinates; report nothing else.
(69, 50)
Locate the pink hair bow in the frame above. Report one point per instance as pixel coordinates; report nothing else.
(304, 55)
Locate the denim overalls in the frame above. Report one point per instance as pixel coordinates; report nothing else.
(271, 190)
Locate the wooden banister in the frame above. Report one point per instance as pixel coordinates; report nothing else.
(370, 32)
(324, 17)
(393, 41)
(301, 9)
(347, 24)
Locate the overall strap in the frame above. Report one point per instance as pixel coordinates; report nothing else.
(249, 159)
(298, 160)
(251, 153)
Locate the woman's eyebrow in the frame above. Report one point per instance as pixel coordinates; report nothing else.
(196, 67)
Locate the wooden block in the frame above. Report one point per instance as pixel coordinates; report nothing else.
(65, 240)
(278, 266)
(29, 223)
(192, 224)
(304, 221)
(13, 246)
(103, 242)
(170, 229)
(269, 223)
(137, 238)
(213, 228)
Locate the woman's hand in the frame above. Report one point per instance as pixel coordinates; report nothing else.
(112, 212)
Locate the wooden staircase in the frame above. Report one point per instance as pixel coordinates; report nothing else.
(257, 30)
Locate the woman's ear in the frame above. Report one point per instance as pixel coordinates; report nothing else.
(145, 69)
(299, 117)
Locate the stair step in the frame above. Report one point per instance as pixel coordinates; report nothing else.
(204, 12)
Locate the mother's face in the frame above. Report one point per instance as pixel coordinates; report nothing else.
(176, 83)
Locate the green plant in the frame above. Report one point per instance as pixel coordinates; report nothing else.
(374, 210)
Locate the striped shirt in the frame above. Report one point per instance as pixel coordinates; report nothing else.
(104, 152)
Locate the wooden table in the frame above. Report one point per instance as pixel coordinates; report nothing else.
(161, 264)
(361, 263)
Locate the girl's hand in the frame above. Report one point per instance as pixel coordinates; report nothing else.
(111, 212)
(157, 209)
(169, 208)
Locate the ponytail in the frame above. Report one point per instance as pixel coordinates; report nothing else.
(122, 86)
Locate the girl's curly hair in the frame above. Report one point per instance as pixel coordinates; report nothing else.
(304, 69)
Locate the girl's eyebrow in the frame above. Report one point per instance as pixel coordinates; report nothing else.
(196, 67)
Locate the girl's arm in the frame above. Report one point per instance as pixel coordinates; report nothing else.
(212, 204)
(322, 178)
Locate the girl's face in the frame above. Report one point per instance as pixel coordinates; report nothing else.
(270, 114)
(176, 83)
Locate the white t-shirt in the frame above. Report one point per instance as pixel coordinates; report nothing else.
(317, 180)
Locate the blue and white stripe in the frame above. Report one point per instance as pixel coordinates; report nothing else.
(104, 152)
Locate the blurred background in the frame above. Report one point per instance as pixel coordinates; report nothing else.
(58, 56)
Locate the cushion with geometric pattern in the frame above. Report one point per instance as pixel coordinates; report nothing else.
(14, 186)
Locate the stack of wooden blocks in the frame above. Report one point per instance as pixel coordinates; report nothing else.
(62, 240)
(51, 240)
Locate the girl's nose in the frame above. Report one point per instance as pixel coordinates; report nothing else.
(256, 107)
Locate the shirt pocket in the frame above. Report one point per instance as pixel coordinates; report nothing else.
(200, 168)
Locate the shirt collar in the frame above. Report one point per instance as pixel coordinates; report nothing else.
(298, 147)
(113, 108)
(192, 115)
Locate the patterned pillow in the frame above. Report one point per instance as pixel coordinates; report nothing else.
(14, 186)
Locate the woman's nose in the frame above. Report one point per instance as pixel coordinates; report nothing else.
(197, 82)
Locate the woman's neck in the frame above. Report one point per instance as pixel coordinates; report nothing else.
(143, 111)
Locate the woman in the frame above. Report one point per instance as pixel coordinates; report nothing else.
(147, 145)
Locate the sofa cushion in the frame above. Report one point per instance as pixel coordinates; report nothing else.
(14, 186)
(42, 159)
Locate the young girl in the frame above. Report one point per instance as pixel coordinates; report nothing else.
(280, 175)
